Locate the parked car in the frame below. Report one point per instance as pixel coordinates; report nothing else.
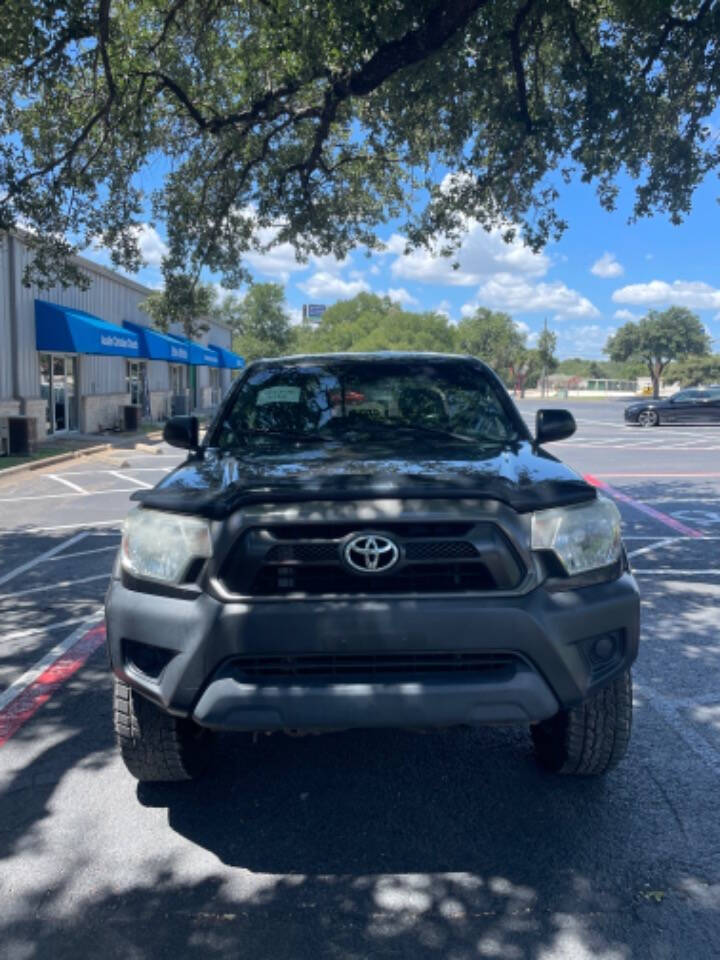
(371, 541)
(695, 405)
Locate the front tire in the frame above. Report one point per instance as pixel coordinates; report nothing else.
(589, 739)
(156, 746)
(648, 418)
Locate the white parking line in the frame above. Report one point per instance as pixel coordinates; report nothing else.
(80, 553)
(671, 571)
(63, 496)
(43, 556)
(694, 740)
(641, 536)
(92, 473)
(75, 526)
(47, 587)
(34, 631)
(655, 546)
(17, 687)
(122, 476)
(68, 483)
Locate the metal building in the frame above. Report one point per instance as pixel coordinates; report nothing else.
(73, 359)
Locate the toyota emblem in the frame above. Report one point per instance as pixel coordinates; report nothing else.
(371, 553)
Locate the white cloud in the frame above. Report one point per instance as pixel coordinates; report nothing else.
(625, 315)
(400, 295)
(152, 246)
(444, 307)
(223, 293)
(586, 340)
(516, 294)
(607, 266)
(683, 293)
(324, 285)
(280, 261)
(480, 255)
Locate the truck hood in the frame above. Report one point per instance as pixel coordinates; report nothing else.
(518, 474)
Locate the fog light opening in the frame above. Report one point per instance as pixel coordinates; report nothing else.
(604, 648)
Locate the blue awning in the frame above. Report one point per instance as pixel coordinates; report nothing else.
(66, 330)
(200, 356)
(158, 346)
(228, 359)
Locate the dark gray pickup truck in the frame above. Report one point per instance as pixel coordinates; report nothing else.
(371, 540)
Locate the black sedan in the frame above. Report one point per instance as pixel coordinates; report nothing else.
(688, 406)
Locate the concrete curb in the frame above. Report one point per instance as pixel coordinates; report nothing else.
(49, 461)
(70, 455)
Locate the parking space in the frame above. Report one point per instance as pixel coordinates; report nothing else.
(449, 844)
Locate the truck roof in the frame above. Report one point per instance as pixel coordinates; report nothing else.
(370, 355)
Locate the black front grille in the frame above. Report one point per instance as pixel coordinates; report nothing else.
(452, 557)
(330, 552)
(336, 531)
(334, 578)
(359, 667)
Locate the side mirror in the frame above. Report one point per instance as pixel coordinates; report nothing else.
(182, 432)
(553, 425)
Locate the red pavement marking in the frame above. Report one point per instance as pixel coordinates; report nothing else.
(25, 705)
(644, 508)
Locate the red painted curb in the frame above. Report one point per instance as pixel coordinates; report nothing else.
(644, 508)
(25, 705)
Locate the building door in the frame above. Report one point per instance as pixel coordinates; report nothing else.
(137, 386)
(58, 387)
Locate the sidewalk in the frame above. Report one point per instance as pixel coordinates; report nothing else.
(58, 450)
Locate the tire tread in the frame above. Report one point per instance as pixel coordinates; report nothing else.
(154, 745)
(593, 737)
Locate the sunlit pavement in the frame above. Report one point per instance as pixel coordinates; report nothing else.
(364, 844)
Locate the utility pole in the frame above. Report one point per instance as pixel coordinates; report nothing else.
(544, 373)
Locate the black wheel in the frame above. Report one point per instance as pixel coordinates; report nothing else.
(591, 738)
(155, 745)
(648, 418)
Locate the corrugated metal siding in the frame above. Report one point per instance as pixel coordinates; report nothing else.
(158, 375)
(107, 297)
(220, 336)
(6, 390)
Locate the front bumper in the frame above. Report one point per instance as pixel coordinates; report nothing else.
(552, 635)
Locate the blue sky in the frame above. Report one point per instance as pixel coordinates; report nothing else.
(603, 271)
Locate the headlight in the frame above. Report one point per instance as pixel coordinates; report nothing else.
(161, 546)
(583, 538)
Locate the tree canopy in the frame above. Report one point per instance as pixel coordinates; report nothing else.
(658, 339)
(280, 120)
(495, 338)
(260, 322)
(692, 371)
(369, 322)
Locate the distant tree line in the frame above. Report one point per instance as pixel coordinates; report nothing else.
(262, 327)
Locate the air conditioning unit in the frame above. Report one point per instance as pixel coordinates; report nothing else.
(18, 435)
(180, 405)
(131, 418)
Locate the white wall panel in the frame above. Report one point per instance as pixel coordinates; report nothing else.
(110, 297)
(6, 388)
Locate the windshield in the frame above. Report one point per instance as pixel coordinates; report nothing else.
(357, 400)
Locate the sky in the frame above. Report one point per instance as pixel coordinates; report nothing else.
(603, 272)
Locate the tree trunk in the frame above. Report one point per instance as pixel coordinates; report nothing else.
(655, 371)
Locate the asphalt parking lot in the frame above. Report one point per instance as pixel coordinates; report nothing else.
(365, 844)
